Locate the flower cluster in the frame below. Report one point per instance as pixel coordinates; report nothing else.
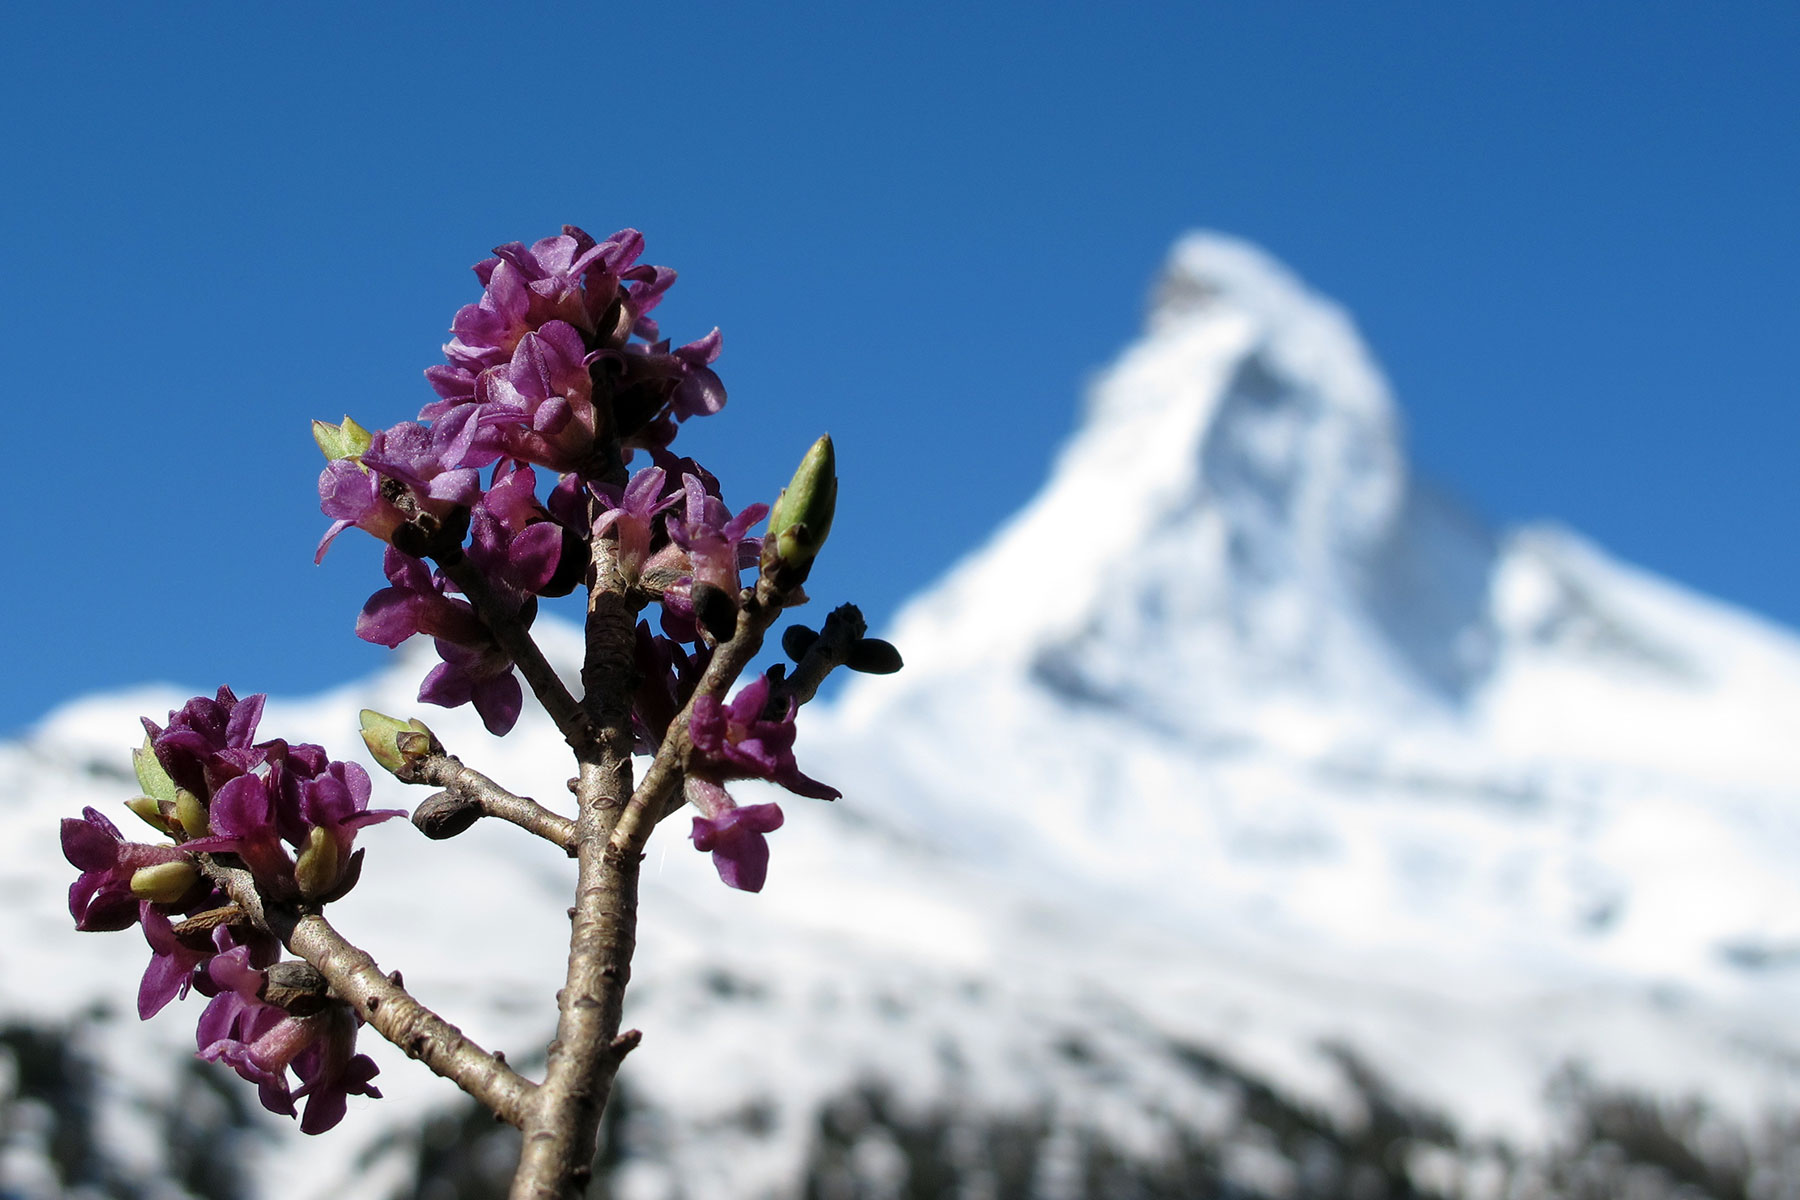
(287, 814)
(560, 368)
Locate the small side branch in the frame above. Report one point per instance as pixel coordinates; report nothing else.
(381, 1001)
(659, 794)
(844, 627)
(397, 1016)
(473, 795)
(517, 641)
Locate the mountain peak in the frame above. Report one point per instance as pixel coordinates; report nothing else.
(1237, 479)
(1232, 547)
(1206, 270)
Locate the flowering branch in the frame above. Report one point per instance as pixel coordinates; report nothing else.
(559, 368)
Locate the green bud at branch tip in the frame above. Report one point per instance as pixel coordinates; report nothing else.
(396, 744)
(801, 518)
(348, 440)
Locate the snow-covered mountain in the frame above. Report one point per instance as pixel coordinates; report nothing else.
(1247, 817)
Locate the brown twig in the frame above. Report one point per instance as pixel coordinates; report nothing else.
(380, 999)
(515, 638)
(563, 1129)
(487, 798)
(844, 627)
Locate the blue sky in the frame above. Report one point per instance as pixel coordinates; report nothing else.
(1568, 231)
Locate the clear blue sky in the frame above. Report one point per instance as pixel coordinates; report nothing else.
(1568, 230)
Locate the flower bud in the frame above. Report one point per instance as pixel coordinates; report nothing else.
(150, 774)
(397, 744)
(190, 814)
(873, 656)
(801, 518)
(151, 812)
(164, 883)
(348, 440)
(318, 869)
(796, 640)
(445, 815)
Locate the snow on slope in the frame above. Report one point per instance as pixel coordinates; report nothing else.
(1236, 739)
(1234, 666)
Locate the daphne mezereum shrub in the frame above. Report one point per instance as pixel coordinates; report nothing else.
(559, 368)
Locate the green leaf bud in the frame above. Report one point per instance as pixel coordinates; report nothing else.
(801, 518)
(163, 883)
(397, 744)
(348, 440)
(150, 774)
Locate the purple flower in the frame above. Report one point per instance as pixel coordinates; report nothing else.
(570, 278)
(593, 300)
(475, 669)
(739, 742)
(210, 741)
(172, 961)
(734, 835)
(320, 1049)
(512, 495)
(100, 899)
(438, 463)
(718, 544)
(512, 540)
(666, 676)
(245, 820)
(652, 387)
(257, 817)
(336, 803)
(408, 469)
(478, 675)
(237, 984)
(416, 603)
(698, 391)
(630, 516)
(539, 406)
(350, 494)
